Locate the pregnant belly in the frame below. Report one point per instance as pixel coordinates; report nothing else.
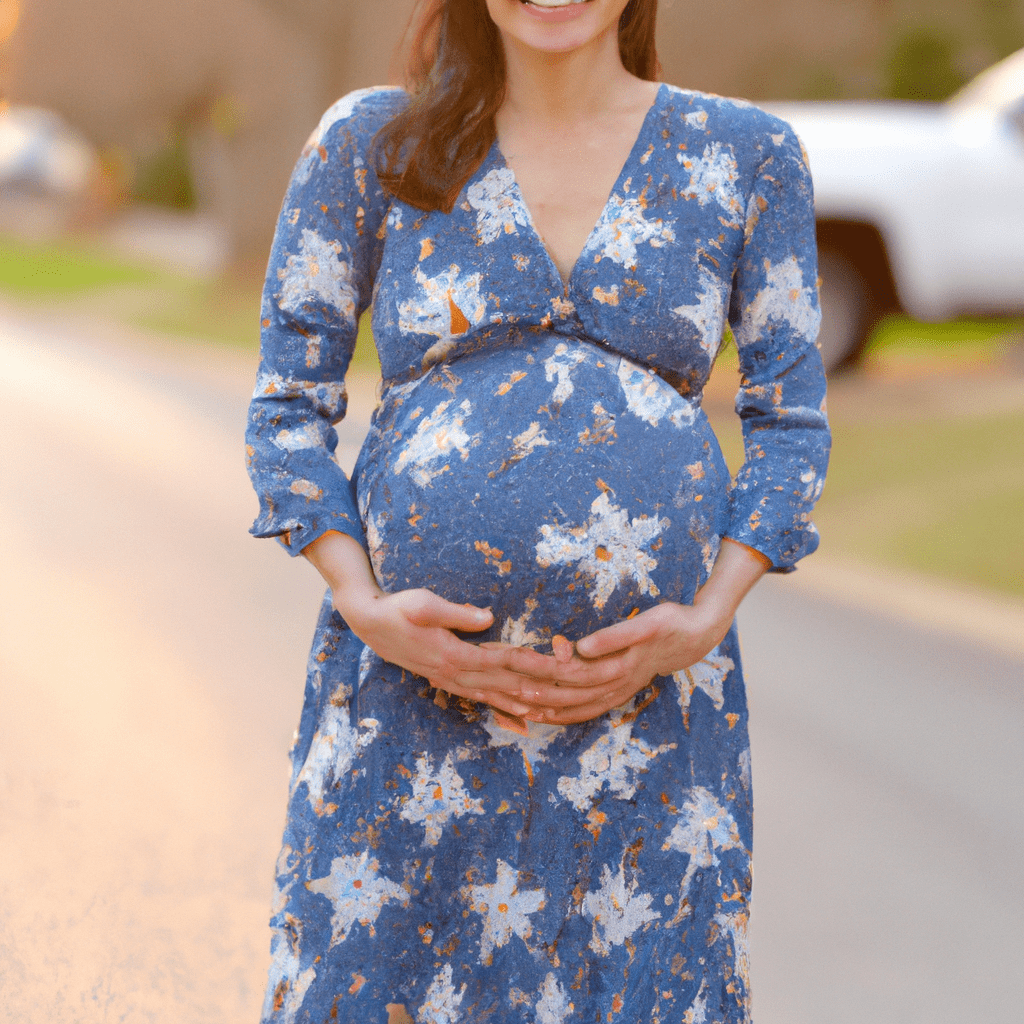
(558, 484)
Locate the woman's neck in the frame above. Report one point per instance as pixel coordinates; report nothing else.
(553, 89)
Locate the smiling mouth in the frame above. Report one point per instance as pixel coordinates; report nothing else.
(547, 4)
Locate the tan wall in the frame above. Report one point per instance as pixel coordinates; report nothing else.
(123, 70)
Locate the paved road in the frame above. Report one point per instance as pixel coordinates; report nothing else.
(151, 657)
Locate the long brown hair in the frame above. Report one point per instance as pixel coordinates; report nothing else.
(455, 74)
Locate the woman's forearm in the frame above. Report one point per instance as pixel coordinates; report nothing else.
(345, 567)
(737, 568)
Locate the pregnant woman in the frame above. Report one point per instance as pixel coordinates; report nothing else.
(521, 782)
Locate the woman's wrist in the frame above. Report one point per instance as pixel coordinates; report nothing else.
(345, 567)
(737, 568)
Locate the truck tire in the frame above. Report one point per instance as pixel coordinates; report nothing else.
(849, 312)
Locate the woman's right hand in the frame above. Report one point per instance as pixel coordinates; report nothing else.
(413, 628)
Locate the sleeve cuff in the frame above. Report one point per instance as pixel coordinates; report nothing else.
(294, 535)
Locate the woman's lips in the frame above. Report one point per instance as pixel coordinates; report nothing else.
(554, 10)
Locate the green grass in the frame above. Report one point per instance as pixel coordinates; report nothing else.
(223, 311)
(65, 268)
(953, 337)
(944, 497)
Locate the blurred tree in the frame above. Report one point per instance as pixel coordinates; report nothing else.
(237, 85)
(1003, 25)
(165, 178)
(922, 65)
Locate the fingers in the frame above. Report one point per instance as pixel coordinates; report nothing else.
(589, 710)
(504, 703)
(562, 648)
(559, 697)
(545, 668)
(424, 608)
(614, 638)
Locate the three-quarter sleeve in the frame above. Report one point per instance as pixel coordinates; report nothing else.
(319, 281)
(775, 316)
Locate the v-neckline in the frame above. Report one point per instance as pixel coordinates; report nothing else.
(566, 283)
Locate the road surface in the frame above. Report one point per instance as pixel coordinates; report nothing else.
(151, 664)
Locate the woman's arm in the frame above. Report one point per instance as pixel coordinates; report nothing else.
(614, 663)
(319, 281)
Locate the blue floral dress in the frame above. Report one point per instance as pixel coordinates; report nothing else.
(540, 449)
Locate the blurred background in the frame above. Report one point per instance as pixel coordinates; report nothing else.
(151, 655)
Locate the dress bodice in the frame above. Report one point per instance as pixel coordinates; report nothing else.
(710, 223)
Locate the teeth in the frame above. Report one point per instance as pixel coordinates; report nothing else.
(554, 3)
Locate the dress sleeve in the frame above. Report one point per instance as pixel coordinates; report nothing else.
(319, 281)
(775, 316)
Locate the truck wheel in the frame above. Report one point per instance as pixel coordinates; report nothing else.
(848, 311)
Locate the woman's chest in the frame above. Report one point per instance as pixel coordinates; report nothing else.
(652, 281)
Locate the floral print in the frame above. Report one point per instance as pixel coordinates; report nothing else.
(539, 449)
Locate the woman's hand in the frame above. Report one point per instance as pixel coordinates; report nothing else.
(413, 629)
(611, 665)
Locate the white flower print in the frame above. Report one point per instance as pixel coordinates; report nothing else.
(505, 909)
(375, 543)
(523, 444)
(514, 631)
(287, 985)
(317, 275)
(334, 748)
(650, 397)
(622, 228)
(744, 766)
(814, 483)
(308, 435)
(610, 548)
(532, 746)
(708, 675)
(340, 111)
(326, 398)
(442, 1005)
(616, 910)
(713, 177)
(705, 826)
(437, 796)
(783, 297)
(696, 119)
(707, 314)
(553, 1004)
(735, 926)
(560, 364)
(447, 304)
(437, 437)
(698, 1011)
(613, 760)
(356, 892)
(498, 205)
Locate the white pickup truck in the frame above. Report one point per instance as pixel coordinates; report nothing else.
(920, 206)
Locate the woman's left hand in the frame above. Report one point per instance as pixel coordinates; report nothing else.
(610, 666)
